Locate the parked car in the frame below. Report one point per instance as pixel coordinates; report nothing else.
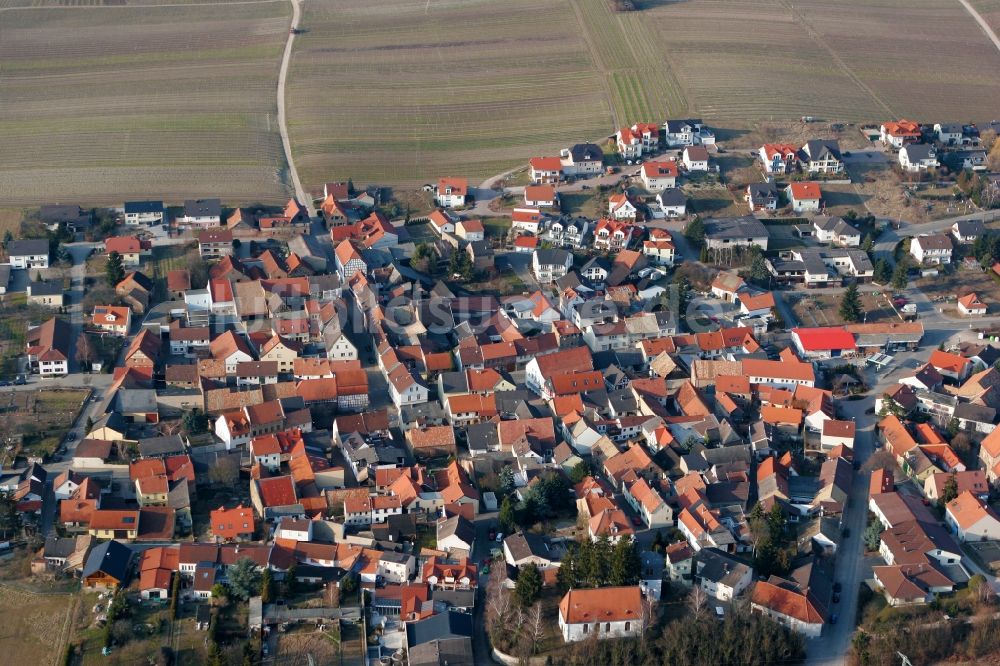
(837, 586)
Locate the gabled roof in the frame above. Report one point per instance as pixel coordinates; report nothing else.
(110, 558)
(786, 598)
(606, 604)
(833, 338)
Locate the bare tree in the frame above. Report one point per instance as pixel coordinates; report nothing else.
(698, 601)
(84, 350)
(225, 471)
(648, 614)
(534, 629)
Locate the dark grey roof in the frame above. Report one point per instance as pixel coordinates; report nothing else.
(46, 288)
(439, 627)
(143, 207)
(155, 447)
(978, 413)
(719, 567)
(55, 213)
(744, 227)
(818, 149)
(131, 401)
(596, 262)
(835, 224)
(457, 526)
(526, 544)
(552, 257)
(202, 207)
(586, 152)
(482, 437)
(112, 558)
(55, 547)
(444, 652)
(672, 196)
(920, 151)
(674, 126)
(33, 246)
(762, 190)
(951, 128)
(454, 382)
(969, 227)
(456, 598)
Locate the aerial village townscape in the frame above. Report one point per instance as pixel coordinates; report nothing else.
(680, 390)
(543, 437)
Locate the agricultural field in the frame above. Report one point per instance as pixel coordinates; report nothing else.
(866, 62)
(401, 93)
(990, 11)
(103, 104)
(35, 626)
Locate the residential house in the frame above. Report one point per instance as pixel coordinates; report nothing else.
(545, 169)
(48, 348)
(967, 231)
(583, 159)
(762, 196)
(687, 132)
(735, 232)
(143, 212)
(672, 203)
(658, 176)
(918, 157)
(550, 265)
(931, 249)
(822, 156)
(451, 192)
(804, 197)
(639, 139)
(970, 306)
(215, 243)
(49, 293)
(695, 158)
(28, 253)
(202, 213)
(541, 196)
(898, 134)
(130, 248)
(788, 603)
(779, 158)
(116, 320)
(972, 519)
(836, 231)
(720, 575)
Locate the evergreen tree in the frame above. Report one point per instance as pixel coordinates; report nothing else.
(566, 573)
(850, 304)
(579, 472)
(10, 517)
(883, 272)
(528, 585)
(900, 276)
(114, 269)
(626, 566)
(266, 587)
(243, 578)
(695, 231)
(868, 243)
(508, 515)
(950, 490)
(759, 274)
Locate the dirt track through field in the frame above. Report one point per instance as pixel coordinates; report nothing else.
(835, 57)
(602, 67)
(982, 23)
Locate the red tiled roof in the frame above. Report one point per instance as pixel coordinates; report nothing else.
(832, 338)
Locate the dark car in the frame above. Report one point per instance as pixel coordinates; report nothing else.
(836, 598)
(837, 587)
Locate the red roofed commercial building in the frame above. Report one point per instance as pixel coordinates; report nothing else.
(821, 343)
(234, 524)
(787, 603)
(608, 612)
(783, 374)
